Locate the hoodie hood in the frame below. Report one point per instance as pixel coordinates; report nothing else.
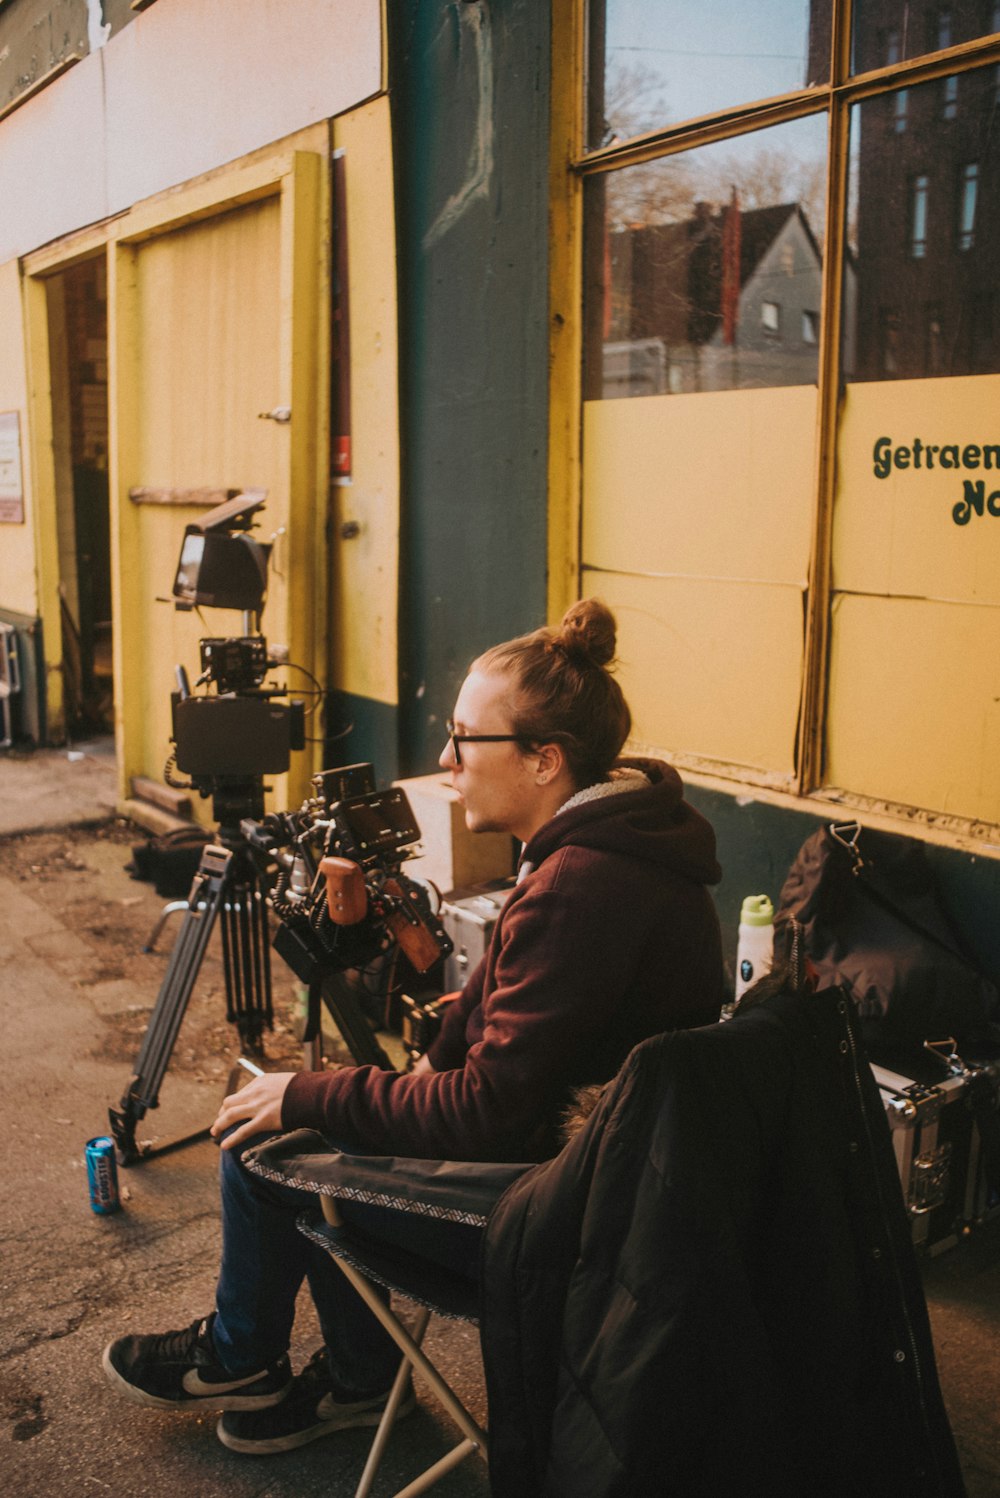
(651, 822)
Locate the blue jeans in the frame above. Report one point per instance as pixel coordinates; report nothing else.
(265, 1259)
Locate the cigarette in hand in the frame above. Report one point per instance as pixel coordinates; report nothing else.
(249, 1066)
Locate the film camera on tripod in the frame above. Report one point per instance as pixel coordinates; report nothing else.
(229, 739)
(331, 871)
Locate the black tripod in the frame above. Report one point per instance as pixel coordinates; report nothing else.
(228, 888)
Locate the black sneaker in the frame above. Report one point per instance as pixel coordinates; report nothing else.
(182, 1368)
(313, 1407)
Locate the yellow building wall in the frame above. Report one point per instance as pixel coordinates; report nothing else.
(914, 701)
(18, 581)
(695, 529)
(218, 312)
(365, 565)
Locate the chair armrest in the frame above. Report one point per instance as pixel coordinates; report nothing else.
(458, 1191)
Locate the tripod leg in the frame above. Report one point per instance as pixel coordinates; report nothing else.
(158, 1042)
(261, 941)
(350, 1020)
(246, 961)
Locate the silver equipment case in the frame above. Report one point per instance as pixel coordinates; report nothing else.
(469, 917)
(938, 1145)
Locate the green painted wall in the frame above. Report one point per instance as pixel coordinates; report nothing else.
(359, 730)
(469, 87)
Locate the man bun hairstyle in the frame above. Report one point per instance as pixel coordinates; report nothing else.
(588, 632)
(562, 689)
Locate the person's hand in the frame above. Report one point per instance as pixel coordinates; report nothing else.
(259, 1103)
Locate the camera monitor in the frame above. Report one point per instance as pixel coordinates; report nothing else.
(223, 572)
(219, 569)
(379, 823)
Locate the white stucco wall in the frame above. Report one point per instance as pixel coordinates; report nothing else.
(188, 86)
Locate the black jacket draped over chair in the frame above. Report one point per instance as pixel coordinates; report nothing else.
(712, 1290)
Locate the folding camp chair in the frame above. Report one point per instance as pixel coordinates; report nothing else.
(449, 1191)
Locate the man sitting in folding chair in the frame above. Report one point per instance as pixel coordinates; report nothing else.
(610, 936)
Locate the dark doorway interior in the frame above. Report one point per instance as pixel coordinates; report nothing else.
(78, 324)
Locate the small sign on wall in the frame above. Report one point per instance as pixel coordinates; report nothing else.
(11, 486)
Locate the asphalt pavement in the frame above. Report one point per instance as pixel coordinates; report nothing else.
(76, 997)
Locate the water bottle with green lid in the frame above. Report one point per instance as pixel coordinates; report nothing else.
(755, 947)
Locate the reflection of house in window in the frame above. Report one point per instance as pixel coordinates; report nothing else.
(927, 201)
(716, 293)
(968, 188)
(919, 192)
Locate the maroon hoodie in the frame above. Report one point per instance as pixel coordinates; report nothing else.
(609, 937)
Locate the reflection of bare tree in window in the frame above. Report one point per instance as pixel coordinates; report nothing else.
(633, 101)
(770, 175)
(658, 193)
(666, 191)
(655, 193)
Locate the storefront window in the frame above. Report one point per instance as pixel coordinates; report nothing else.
(707, 267)
(925, 207)
(655, 62)
(769, 474)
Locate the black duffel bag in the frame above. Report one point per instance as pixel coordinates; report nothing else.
(170, 860)
(873, 921)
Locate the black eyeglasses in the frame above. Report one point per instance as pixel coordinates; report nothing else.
(477, 738)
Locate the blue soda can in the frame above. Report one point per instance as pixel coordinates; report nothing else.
(102, 1175)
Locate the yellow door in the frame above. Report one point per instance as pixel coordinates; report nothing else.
(217, 360)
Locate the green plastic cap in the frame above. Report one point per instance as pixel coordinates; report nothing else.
(757, 911)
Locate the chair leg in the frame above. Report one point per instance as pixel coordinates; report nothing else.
(475, 1437)
(388, 1419)
(429, 1478)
